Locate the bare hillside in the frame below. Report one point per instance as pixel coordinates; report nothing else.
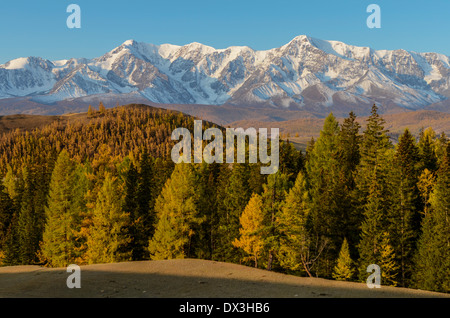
(187, 278)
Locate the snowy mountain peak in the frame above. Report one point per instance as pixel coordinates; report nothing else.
(130, 42)
(305, 73)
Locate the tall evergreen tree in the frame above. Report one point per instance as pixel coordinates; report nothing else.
(59, 244)
(349, 143)
(387, 262)
(404, 217)
(371, 194)
(101, 108)
(433, 255)
(206, 197)
(273, 197)
(6, 215)
(375, 222)
(91, 111)
(427, 149)
(130, 206)
(232, 197)
(344, 265)
(323, 170)
(251, 238)
(28, 226)
(425, 185)
(296, 252)
(177, 216)
(108, 239)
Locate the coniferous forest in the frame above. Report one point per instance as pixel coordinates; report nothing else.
(104, 189)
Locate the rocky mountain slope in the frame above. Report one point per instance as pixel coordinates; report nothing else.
(306, 73)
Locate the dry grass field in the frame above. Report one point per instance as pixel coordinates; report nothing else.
(188, 278)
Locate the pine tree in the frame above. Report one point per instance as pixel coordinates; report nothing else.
(273, 197)
(28, 222)
(251, 238)
(59, 244)
(101, 108)
(344, 266)
(349, 156)
(371, 194)
(433, 255)
(427, 149)
(295, 253)
(139, 202)
(232, 196)
(404, 217)
(374, 145)
(176, 209)
(387, 262)
(6, 215)
(372, 228)
(90, 112)
(291, 160)
(130, 206)
(323, 170)
(11, 249)
(14, 187)
(425, 184)
(108, 239)
(207, 206)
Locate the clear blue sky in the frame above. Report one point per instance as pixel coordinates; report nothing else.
(38, 28)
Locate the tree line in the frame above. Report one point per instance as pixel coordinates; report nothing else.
(104, 189)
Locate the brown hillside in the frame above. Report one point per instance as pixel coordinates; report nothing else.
(182, 278)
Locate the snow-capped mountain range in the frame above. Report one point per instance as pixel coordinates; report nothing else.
(306, 73)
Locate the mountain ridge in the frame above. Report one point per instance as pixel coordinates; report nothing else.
(306, 73)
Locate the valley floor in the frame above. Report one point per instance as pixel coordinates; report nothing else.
(188, 278)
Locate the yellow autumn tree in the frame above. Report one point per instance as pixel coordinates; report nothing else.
(344, 269)
(389, 269)
(251, 239)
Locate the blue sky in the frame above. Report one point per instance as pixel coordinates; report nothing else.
(38, 28)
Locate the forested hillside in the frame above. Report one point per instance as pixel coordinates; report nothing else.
(103, 188)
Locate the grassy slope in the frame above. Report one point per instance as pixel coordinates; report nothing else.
(183, 278)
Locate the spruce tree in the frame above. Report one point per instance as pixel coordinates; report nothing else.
(323, 170)
(251, 239)
(108, 239)
(130, 206)
(372, 192)
(59, 245)
(28, 228)
(91, 111)
(232, 196)
(273, 197)
(432, 259)
(295, 253)
(388, 264)
(6, 216)
(101, 108)
(427, 149)
(404, 217)
(176, 209)
(344, 265)
(145, 197)
(349, 143)
(425, 184)
(373, 226)
(207, 206)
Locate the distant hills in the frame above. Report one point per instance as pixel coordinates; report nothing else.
(299, 127)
